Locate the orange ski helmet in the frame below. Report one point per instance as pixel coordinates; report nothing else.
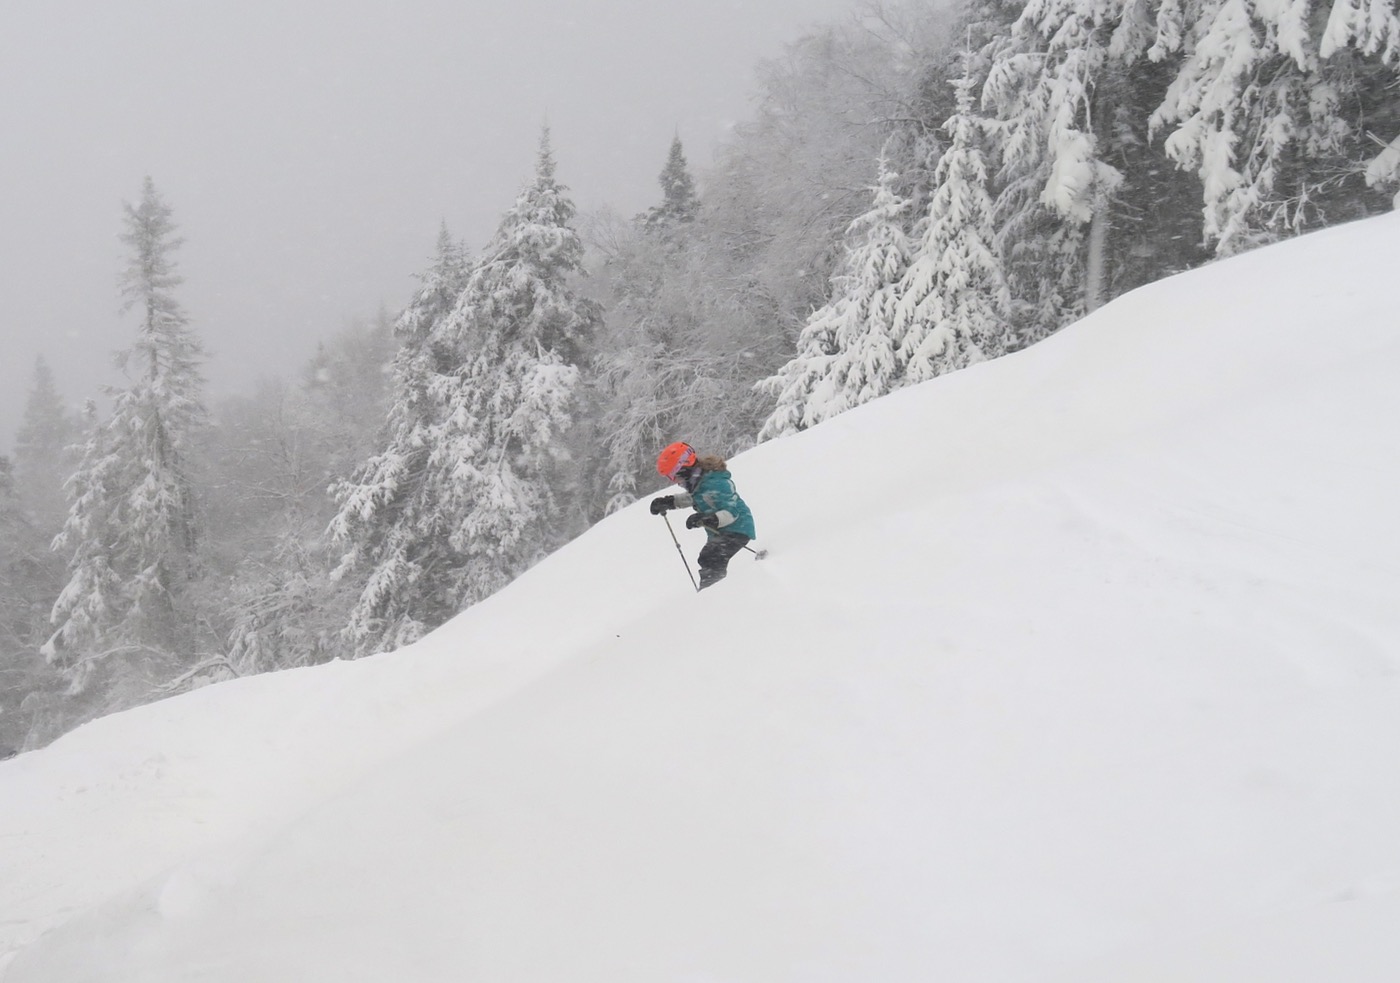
(673, 458)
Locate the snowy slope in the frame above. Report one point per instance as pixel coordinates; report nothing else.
(1080, 665)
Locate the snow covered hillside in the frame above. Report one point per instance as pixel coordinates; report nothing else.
(1082, 665)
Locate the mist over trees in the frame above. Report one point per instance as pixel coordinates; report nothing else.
(133, 527)
(918, 189)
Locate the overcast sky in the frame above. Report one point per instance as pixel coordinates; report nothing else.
(310, 148)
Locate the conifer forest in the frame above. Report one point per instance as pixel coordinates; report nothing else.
(917, 189)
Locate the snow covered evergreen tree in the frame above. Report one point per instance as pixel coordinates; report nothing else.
(517, 401)
(1051, 80)
(474, 491)
(395, 514)
(1271, 103)
(846, 353)
(953, 298)
(132, 527)
(679, 202)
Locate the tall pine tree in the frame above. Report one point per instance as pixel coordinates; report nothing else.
(395, 513)
(954, 300)
(132, 528)
(846, 353)
(520, 396)
(679, 203)
(485, 480)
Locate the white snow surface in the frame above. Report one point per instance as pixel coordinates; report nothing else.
(1079, 665)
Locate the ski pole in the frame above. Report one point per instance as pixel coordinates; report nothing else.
(684, 561)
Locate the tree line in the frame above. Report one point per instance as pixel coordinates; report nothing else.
(918, 190)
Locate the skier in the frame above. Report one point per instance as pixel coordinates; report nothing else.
(718, 508)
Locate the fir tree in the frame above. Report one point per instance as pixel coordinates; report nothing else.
(953, 299)
(93, 602)
(679, 203)
(517, 399)
(846, 352)
(1268, 104)
(393, 514)
(132, 529)
(1051, 81)
(474, 491)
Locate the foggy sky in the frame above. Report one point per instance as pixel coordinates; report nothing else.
(310, 148)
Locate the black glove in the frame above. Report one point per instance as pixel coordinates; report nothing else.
(698, 519)
(660, 505)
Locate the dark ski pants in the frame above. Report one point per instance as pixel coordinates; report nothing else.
(715, 556)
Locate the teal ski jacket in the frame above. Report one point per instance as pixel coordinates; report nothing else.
(715, 494)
